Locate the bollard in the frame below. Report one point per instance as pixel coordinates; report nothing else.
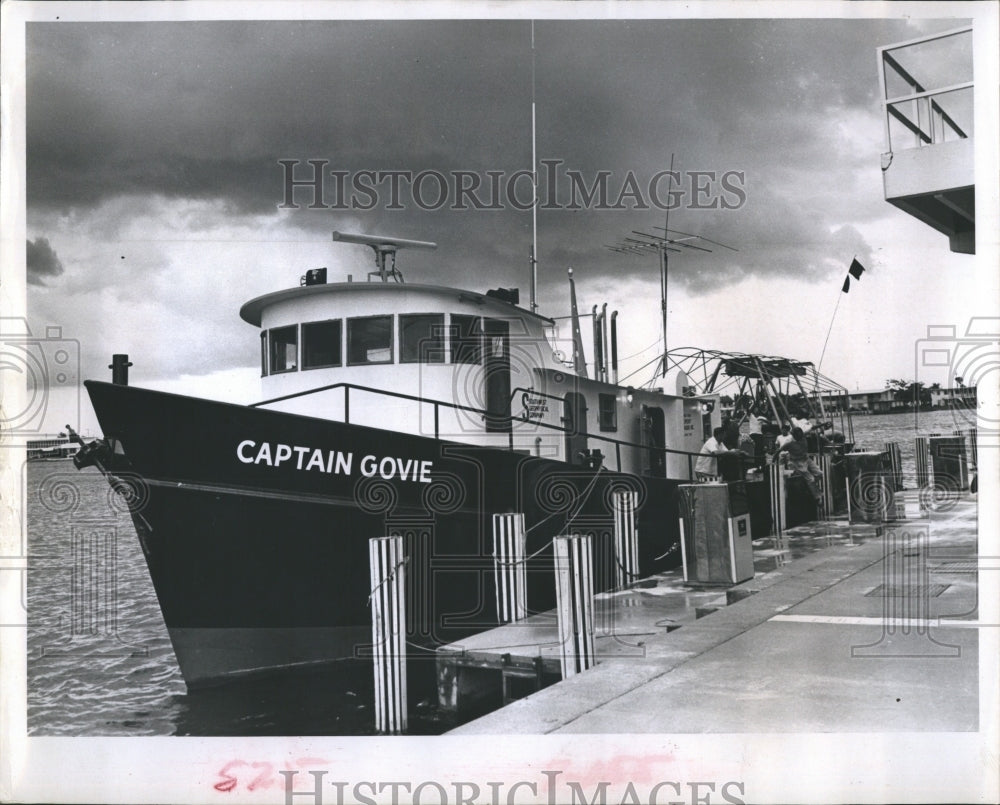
(776, 479)
(626, 537)
(509, 570)
(574, 602)
(896, 465)
(119, 369)
(386, 563)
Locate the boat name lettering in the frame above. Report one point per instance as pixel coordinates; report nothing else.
(333, 462)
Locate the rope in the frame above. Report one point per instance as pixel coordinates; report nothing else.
(389, 577)
(580, 500)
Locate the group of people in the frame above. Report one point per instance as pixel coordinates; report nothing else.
(791, 441)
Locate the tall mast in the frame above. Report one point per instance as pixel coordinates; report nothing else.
(534, 181)
(664, 265)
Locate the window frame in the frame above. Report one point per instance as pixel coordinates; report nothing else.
(264, 353)
(392, 340)
(444, 351)
(604, 415)
(340, 345)
(454, 339)
(271, 345)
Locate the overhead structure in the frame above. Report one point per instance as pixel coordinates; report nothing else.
(928, 166)
(672, 240)
(783, 387)
(384, 248)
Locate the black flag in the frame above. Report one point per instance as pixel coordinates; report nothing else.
(854, 271)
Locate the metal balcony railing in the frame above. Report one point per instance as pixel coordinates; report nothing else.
(935, 107)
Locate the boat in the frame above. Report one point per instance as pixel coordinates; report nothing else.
(51, 447)
(388, 407)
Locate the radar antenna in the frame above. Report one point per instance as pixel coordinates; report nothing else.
(384, 248)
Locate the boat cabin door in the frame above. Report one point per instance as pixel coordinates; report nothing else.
(653, 437)
(496, 340)
(574, 420)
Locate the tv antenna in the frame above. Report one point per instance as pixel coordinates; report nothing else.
(672, 240)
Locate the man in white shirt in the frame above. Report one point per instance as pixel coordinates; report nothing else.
(785, 437)
(707, 468)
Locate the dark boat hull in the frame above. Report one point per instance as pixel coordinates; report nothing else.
(261, 564)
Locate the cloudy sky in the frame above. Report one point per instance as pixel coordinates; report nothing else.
(155, 193)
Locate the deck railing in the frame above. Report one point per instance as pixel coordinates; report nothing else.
(439, 404)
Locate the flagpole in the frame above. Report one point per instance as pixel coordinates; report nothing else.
(833, 318)
(829, 330)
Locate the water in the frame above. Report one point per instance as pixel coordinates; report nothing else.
(99, 658)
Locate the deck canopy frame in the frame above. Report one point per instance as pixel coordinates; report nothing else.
(784, 387)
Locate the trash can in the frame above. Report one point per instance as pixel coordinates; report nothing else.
(715, 533)
(870, 496)
(950, 468)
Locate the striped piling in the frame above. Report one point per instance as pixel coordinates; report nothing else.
(825, 462)
(776, 481)
(574, 602)
(509, 570)
(386, 564)
(623, 501)
(922, 457)
(895, 464)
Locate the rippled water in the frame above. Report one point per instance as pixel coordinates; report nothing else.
(99, 658)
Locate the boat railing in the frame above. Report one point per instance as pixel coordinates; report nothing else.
(438, 404)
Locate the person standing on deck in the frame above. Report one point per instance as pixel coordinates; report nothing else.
(785, 437)
(801, 464)
(707, 468)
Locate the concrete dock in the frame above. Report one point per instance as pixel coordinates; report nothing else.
(844, 628)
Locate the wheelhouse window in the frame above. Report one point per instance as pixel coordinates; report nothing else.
(466, 339)
(284, 349)
(321, 344)
(369, 340)
(607, 412)
(421, 338)
(263, 353)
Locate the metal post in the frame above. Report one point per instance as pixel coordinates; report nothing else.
(574, 602)
(626, 537)
(386, 563)
(509, 570)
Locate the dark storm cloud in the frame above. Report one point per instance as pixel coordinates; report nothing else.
(206, 110)
(42, 262)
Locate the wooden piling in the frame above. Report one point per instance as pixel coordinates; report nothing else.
(776, 479)
(922, 457)
(574, 602)
(626, 537)
(509, 569)
(387, 599)
(895, 464)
